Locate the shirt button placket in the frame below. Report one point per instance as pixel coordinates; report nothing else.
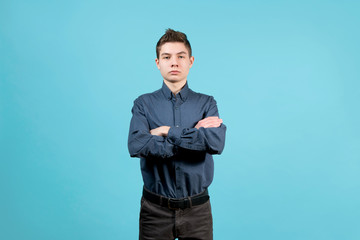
(177, 117)
(178, 174)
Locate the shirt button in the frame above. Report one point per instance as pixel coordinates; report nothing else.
(177, 168)
(176, 108)
(177, 126)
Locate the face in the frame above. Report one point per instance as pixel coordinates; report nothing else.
(174, 62)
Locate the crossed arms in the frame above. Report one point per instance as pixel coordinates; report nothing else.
(205, 123)
(162, 142)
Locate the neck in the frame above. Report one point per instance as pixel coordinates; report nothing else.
(175, 87)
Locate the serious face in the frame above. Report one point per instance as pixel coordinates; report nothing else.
(174, 62)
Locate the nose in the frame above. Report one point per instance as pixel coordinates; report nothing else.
(174, 62)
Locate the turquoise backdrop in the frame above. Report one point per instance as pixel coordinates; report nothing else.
(286, 78)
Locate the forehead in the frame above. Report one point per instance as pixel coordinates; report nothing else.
(173, 48)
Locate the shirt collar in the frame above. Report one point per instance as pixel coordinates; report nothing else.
(184, 92)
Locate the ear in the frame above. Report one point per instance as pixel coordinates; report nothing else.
(192, 60)
(157, 63)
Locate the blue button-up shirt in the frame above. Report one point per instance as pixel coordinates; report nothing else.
(181, 164)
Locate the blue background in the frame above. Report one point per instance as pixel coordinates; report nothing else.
(286, 78)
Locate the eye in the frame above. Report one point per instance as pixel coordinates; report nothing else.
(181, 56)
(166, 57)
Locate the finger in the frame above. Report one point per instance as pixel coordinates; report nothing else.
(213, 121)
(212, 118)
(212, 125)
(208, 119)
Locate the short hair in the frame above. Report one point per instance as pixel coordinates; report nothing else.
(173, 36)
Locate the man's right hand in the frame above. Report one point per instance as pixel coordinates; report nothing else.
(160, 131)
(209, 122)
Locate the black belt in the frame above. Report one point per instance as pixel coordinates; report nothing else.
(174, 204)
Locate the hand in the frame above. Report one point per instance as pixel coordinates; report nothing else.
(209, 122)
(160, 131)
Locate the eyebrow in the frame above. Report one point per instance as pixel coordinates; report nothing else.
(182, 52)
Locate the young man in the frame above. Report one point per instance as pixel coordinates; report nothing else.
(175, 131)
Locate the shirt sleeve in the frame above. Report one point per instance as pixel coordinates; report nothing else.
(140, 142)
(211, 140)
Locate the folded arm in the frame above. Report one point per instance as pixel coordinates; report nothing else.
(141, 143)
(207, 135)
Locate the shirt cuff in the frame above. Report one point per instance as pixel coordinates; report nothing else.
(174, 135)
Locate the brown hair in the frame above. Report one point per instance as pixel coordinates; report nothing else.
(173, 36)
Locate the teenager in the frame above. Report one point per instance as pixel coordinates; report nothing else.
(175, 131)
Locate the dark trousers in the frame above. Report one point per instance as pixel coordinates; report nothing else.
(162, 223)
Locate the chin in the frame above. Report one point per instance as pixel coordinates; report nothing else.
(172, 80)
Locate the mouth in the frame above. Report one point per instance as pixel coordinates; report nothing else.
(174, 72)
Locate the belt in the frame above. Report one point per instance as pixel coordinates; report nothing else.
(175, 204)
